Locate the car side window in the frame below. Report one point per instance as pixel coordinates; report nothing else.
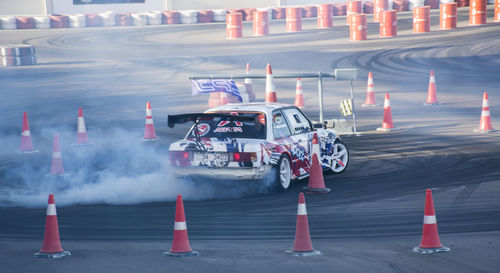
(280, 127)
(298, 122)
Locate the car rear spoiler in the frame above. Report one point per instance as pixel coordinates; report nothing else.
(183, 118)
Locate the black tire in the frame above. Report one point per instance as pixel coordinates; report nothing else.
(283, 182)
(339, 147)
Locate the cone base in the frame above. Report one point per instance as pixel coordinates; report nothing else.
(370, 105)
(56, 255)
(317, 190)
(431, 250)
(150, 139)
(83, 144)
(181, 254)
(431, 104)
(388, 129)
(484, 131)
(27, 151)
(57, 175)
(303, 253)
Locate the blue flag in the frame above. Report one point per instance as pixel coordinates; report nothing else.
(209, 86)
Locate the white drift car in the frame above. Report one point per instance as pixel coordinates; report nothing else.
(253, 141)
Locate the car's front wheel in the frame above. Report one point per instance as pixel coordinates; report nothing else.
(283, 173)
(340, 157)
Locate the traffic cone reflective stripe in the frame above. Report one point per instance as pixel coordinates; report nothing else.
(149, 131)
(485, 122)
(299, 95)
(370, 93)
(247, 71)
(26, 144)
(56, 167)
(430, 237)
(316, 181)
(82, 137)
(270, 89)
(302, 245)
(387, 124)
(431, 94)
(51, 247)
(180, 242)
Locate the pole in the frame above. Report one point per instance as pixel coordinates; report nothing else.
(320, 95)
(353, 110)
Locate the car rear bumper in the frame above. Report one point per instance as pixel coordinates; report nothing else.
(223, 173)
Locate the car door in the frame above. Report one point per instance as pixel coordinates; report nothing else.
(300, 128)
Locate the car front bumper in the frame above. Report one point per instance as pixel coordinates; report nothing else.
(223, 173)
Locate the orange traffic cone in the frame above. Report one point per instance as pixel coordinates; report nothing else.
(149, 131)
(56, 167)
(302, 246)
(180, 244)
(51, 247)
(316, 180)
(387, 124)
(81, 135)
(370, 93)
(270, 89)
(247, 71)
(430, 237)
(299, 95)
(26, 144)
(223, 98)
(431, 94)
(485, 123)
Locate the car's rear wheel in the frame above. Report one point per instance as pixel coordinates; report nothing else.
(283, 173)
(340, 158)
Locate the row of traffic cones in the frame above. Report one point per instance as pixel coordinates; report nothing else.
(388, 124)
(302, 246)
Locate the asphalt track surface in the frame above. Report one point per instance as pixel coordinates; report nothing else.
(368, 223)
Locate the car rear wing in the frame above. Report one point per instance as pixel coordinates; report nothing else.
(194, 117)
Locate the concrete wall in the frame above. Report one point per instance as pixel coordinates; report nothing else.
(23, 7)
(39, 7)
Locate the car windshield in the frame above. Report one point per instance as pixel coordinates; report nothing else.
(221, 127)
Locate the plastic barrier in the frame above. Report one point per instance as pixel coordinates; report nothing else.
(25, 22)
(234, 25)
(108, 18)
(219, 15)
(358, 27)
(421, 19)
(401, 5)
(17, 55)
(448, 16)
(8, 23)
(389, 24)
(42, 22)
(76, 20)
(462, 3)
(93, 20)
(380, 6)
(353, 7)
(339, 9)
(188, 16)
(368, 7)
(260, 23)
(171, 17)
(325, 16)
(123, 19)
(309, 11)
(205, 16)
(415, 3)
(477, 12)
(59, 21)
(434, 4)
(248, 14)
(293, 19)
(154, 17)
(279, 13)
(139, 19)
